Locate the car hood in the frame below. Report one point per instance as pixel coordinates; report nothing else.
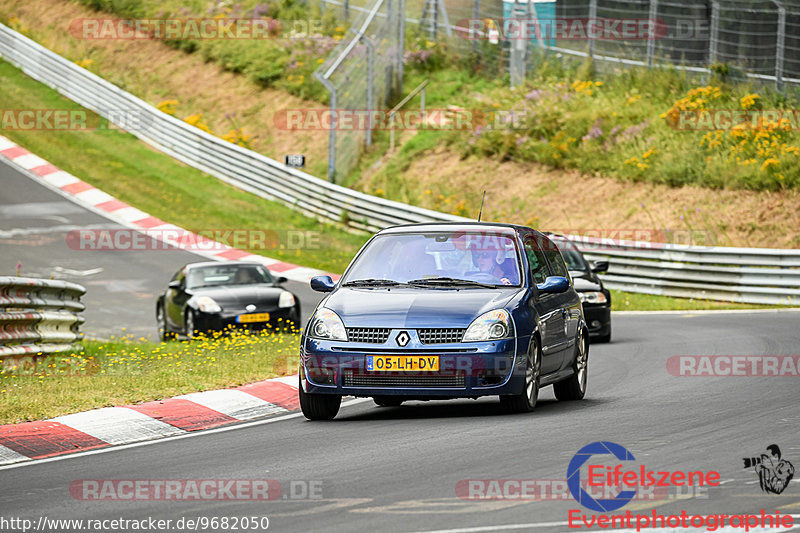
(234, 296)
(585, 281)
(415, 308)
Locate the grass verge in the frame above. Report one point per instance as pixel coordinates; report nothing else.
(124, 371)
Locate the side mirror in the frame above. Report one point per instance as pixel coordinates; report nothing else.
(281, 279)
(322, 283)
(554, 284)
(599, 267)
(174, 284)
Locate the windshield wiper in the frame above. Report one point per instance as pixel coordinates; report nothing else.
(372, 282)
(452, 282)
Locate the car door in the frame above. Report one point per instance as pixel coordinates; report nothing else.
(567, 301)
(545, 306)
(175, 299)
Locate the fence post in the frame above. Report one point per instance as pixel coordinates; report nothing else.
(518, 47)
(476, 13)
(332, 133)
(651, 39)
(592, 16)
(713, 35)
(370, 80)
(401, 44)
(779, 48)
(346, 9)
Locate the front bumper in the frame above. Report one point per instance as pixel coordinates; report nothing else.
(598, 319)
(466, 370)
(278, 318)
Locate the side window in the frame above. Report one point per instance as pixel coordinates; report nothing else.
(536, 260)
(555, 259)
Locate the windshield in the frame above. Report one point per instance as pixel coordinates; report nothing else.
(218, 275)
(484, 258)
(571, 255)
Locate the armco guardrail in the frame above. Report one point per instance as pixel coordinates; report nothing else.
(747, 275)
(38, 316)
(733, 274)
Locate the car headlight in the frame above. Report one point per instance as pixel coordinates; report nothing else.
(207, 304)
(593, 297)
(489, 326)
(327, 325)
(286, 299)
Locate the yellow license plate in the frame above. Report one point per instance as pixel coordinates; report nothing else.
(400, 363)
(254, 317)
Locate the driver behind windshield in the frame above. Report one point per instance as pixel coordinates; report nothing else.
(486, 261)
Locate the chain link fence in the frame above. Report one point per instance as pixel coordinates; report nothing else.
(760, 38)
(361, 74)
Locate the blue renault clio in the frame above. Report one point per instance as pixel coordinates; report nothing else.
(446, 310)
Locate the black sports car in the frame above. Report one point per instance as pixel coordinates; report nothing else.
(596, 298)
(213, 296)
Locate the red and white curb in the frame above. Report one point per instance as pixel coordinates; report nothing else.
(111, 426)
(130, 217)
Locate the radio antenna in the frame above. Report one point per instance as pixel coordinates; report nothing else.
(481, 211)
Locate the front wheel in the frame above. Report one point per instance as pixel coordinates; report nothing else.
(574, 387)
(164, 334)
(525, 401)
(319, 406)
(188, 324)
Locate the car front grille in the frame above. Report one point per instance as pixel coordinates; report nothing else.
(351, 379)
(368, 335)
(440, 335)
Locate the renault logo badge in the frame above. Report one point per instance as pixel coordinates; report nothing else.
(402, 338)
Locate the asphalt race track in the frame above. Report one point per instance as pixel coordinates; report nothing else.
(396, 469)
(122, 286)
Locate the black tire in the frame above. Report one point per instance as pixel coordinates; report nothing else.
(164, 334)
(388, 401)
(319, 406)
(574, 387)
(525, 401)
(188, 324)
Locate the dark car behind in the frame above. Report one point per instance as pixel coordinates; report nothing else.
(595, 297)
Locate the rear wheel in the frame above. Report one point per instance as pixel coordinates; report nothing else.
(574, 387)
(525, 401)
(387, 401)
(319, 406)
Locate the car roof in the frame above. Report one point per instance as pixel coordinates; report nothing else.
(508, 229)
(218, 263)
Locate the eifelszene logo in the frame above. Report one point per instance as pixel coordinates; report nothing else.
(774, 473)
(618, 485)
